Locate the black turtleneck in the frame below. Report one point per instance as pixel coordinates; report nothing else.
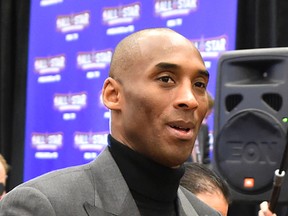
(153, 186)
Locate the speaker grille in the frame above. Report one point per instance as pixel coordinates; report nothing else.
(232, 101)
(273, 100)
(249, 146)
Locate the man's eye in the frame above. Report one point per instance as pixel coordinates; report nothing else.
(166, 79)
(200, 85)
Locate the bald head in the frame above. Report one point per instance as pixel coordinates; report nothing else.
(157, 86)
(138, 46)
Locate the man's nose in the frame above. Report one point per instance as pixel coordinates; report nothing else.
(186, 98)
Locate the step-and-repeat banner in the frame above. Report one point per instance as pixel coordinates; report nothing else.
(70, 48)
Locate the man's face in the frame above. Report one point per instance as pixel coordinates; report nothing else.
(2, 177)
(164, 100)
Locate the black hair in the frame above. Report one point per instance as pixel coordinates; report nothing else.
(199, 178)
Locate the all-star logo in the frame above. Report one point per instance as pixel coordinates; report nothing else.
(47, 141)
(121, 14)
(70, 101)
(211, 47)
(94, 59)
(48, 65)
(90, 140)
(73, 22)
(169, 8)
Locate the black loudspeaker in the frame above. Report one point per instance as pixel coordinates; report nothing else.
(251, 110)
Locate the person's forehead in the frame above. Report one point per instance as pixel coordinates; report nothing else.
(168, 50)
(161, 39)
(154, 50)
(215, 200)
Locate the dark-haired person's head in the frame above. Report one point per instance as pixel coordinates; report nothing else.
(207, 185)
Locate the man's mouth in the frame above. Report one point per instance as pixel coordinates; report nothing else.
(180, 128)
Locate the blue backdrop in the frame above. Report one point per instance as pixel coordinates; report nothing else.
(70, 48)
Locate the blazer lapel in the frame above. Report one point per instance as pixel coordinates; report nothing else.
(94, 211)
(184, 206)
(112, 195)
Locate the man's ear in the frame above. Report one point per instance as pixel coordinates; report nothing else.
(111, 94)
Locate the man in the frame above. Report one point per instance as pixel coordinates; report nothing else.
(4, 167)
(156, 91)
(207, 186)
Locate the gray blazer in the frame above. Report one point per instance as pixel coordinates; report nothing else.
(93, 189)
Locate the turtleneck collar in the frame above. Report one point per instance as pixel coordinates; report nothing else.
(144, 176)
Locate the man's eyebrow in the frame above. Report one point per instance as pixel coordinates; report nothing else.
(204, 73)
(166, 65)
